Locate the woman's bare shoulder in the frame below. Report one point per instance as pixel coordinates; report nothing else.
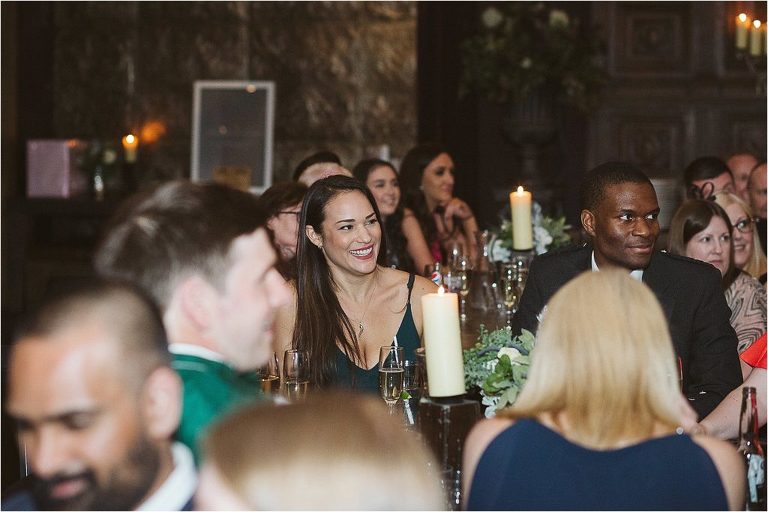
(730, 467)
(423, 286)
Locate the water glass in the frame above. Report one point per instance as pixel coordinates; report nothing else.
(451, 483)
(270, 375)
(421, 361)
(295, 374)
(391, 374)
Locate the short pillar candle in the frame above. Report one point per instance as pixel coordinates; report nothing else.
(130, 146)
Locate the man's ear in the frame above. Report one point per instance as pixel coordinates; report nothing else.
(588, 222)
(271, 222)
(162, 403)
(314, 237)
(197, 298)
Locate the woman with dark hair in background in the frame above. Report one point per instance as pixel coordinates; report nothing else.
(406, 247)
(427, 179)
(282, 204)
(347, 303)
(701, 229)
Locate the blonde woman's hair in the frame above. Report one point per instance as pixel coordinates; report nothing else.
(756, 265)
(604, 358)
(337, 450)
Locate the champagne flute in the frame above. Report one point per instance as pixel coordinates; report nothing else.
(295, 374)
(270, 375)
(391, 374)
(460, 285)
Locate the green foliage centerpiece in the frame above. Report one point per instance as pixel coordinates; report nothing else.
(498, 364)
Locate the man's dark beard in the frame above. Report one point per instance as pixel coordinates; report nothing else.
(127, 486)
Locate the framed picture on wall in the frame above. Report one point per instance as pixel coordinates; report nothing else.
(232, 125)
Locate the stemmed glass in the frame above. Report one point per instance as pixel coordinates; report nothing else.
(270, 375)
(460, 284)
(295, 374)
(391, 374)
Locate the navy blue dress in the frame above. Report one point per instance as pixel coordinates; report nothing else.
(531, 467)
(350, 375)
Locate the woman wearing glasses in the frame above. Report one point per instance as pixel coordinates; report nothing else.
(748, 255)
(702, 230)
(282, 204)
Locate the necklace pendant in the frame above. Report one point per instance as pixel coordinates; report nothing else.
(360, 326)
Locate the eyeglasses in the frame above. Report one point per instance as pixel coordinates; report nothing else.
(744, 225)
(288, 212)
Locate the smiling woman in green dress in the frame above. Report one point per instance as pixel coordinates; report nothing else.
(346, 303)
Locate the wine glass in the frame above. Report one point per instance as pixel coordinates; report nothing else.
(295, 374)
(391, 374)
(270, 375)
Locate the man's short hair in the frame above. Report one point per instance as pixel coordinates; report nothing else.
(123, 310)
(321, 157)
(281, 196)
(704, 168)
(610, 173)
(180, 229)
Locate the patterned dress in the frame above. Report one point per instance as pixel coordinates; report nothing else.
(747, 299)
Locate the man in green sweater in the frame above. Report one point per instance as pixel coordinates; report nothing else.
(203, 253)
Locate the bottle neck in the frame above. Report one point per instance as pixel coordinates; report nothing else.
(748, 425)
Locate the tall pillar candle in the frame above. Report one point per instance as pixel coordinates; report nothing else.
(742, 31)
(522, 227)
(442, 344)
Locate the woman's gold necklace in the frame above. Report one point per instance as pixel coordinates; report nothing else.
(360, 325)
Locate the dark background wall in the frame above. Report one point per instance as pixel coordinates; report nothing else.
(350, 77)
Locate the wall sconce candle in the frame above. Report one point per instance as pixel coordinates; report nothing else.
(130, 146)
(756, 39)
(742, 31)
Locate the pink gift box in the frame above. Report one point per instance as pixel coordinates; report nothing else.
(52, 168)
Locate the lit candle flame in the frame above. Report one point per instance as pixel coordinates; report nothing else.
(743, 17)
(756, 23)
(441, 290)
(520, 190)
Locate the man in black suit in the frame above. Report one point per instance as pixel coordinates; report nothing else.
(620, 213)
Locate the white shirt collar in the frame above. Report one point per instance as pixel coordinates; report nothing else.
(635, 274)
(180, 485)
(197, 351)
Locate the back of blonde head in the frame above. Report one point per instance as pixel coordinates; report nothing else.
(604, 359)
(337, 450)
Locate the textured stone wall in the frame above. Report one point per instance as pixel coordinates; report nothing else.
(344, 73)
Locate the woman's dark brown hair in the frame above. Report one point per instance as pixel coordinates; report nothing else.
(692, 217)
(321, 324)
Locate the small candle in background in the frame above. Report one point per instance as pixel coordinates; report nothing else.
(442, 344)
(522, 226)
(755, 39)
(130, 146)
(742, 31)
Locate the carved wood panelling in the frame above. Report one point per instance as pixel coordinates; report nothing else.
(651, 37)
(656, 141)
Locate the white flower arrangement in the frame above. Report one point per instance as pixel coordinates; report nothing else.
(548, 233)
(498, 365)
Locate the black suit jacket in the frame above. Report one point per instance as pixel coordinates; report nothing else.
(691, 295)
